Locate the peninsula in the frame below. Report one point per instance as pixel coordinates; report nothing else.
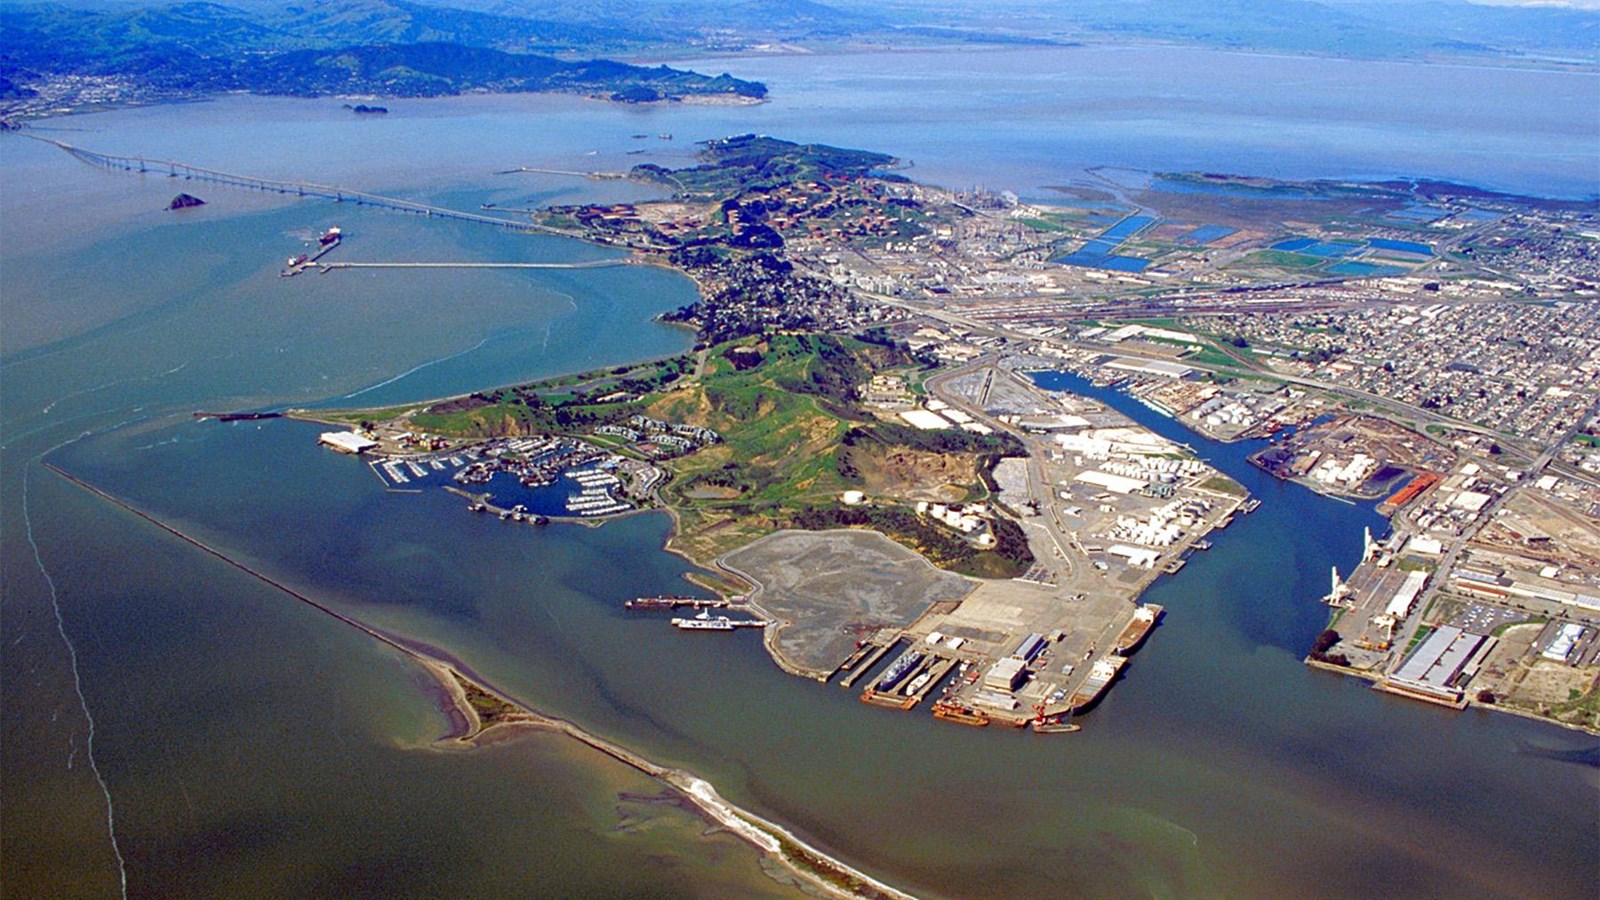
(862, 365)
(1022, 524)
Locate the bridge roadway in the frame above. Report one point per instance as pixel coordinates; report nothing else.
(175, 169)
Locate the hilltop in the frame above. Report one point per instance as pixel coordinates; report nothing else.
(792, 436)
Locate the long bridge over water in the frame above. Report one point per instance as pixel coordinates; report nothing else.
(175, 169)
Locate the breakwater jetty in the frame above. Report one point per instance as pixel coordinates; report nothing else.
(829, 875)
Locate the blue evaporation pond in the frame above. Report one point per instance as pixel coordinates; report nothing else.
(1205, 234)
(1127, 228)
(1331, 249)
(1361, 269)
(1478, 215)
(1294, 245)
(1402, 246)
(1081, 258)
(1103, 261)
(1422, 214)
(1125, 264)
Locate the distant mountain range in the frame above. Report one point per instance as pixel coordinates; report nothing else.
(407, 48)
(1362, 28)
(383, 47)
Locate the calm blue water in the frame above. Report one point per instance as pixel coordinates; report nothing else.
(1020, 118)
(1127, 228)
(1205, 234)
(1362, 269)
(1331, 249)
(1403, 246)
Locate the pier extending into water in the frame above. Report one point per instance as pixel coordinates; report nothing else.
(590, 264)
(595, 176)
(174, 169)
(829, 875)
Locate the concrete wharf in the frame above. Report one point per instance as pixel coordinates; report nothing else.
(597, 176)
(590, 264)
(674, 603)
(865, 665)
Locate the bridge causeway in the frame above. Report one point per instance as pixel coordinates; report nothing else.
(175, 169)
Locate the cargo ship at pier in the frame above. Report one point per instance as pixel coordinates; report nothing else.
(672, 602)
(1144, 619)
(1104, 671)
(325, 243)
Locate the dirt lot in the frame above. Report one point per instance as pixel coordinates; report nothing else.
(832, 587)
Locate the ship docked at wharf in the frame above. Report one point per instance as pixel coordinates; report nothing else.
(1144, 619)
(673, 602)
(705, 621)
(326, 242)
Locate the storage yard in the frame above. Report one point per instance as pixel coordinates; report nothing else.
(1469, 602)
(1107, 507)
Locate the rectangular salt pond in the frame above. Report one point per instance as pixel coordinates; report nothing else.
(1401, 246)
(1103, 261)
(1362, 270)
(1205, 234)
(1127, 228)
(1331, 249)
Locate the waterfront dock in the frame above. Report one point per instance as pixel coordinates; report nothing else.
(865, 665)
(303, 262)
(674, 603)
(588, 264)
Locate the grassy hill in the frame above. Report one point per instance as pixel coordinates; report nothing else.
(793, 438)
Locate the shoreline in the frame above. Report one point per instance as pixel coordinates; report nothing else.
(812, 866)
(1375, 679)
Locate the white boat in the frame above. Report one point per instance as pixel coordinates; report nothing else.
(917, 683)
(704, 622)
